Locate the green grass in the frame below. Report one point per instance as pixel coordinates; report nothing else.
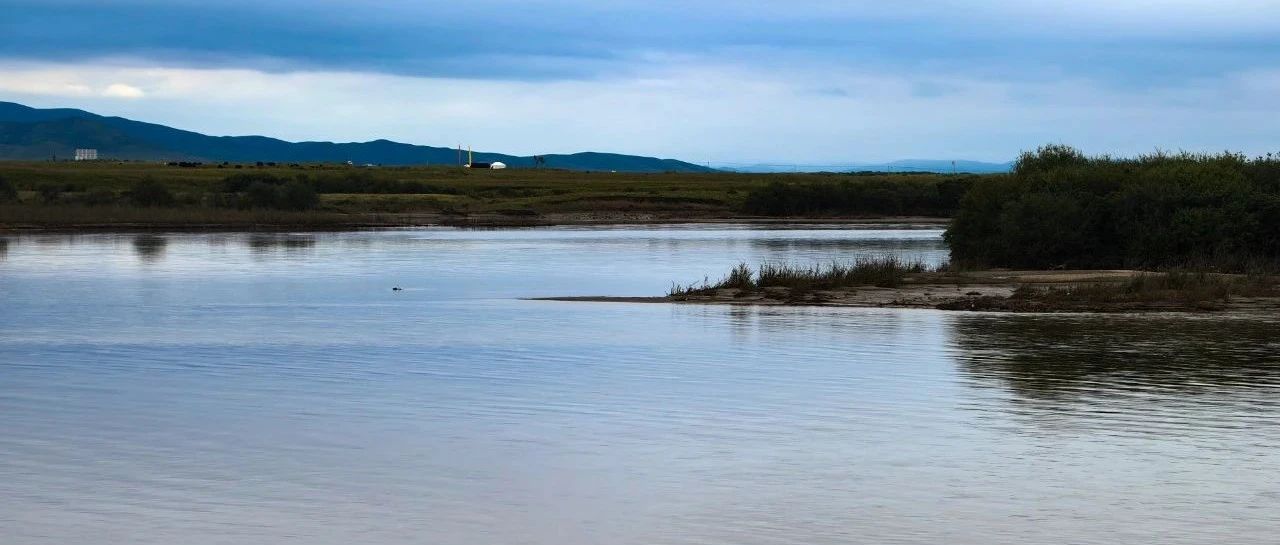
(76, 187)
(885, 272)
(81, 216)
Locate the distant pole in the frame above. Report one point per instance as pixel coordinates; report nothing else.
(953, 167)
(459, 154)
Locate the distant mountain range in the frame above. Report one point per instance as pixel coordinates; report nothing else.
(35, 134)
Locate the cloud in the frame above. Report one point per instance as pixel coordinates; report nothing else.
(120, 90)
(809, 80)
(1125, 43)
(690, 110)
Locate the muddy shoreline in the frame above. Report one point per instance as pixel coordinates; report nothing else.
(991, 291)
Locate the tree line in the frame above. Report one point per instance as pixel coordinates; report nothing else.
(1062, 209)
(882, 195)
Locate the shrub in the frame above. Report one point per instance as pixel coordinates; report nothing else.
(1061, 209)
(297, 195)
(239, 183)
(50, 193)
(8, 193)
(261, 194)
(100, 196)
(151, 193)
(879, 195)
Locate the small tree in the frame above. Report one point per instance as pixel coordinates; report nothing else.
(1049, 157)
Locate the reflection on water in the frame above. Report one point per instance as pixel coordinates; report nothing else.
(1067, 358)
(149, 248)
(292, 245)
(1179, 376)
(4, 248)
(870, 247)
(272, 388)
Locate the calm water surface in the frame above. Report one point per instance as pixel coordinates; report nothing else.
(271, 388)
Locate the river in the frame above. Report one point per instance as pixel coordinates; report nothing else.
(273, 388)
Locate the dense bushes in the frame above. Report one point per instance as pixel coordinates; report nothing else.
(8, 193)
(351, 182)
(260, 190)
(151, 193)
(364, 182)
(1062, 209)
(871, 196)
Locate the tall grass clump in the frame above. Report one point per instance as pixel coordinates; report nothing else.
(886, 272)
(1062, 209)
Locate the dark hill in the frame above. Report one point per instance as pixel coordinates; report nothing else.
(28, 133)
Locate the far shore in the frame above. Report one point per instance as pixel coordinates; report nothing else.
(992, 290)
(344, 222)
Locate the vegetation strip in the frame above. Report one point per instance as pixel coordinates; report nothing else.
(68, 195)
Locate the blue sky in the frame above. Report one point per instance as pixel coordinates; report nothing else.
(749, 81)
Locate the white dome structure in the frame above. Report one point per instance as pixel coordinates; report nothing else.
(497, 165)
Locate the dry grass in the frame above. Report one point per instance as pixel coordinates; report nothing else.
(885, 272)
(1176, 287)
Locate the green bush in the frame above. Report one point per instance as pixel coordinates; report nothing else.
(50, 193)
(884, 195)
(1062, 209)
(100, 196)
(261, 194)
(151, 193)
(8, 193)
(358, 182)
(240, 183)
(297, 195)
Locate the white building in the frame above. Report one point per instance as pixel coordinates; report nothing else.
(86, 154)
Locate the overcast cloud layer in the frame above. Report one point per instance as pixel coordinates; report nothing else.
(746, 81)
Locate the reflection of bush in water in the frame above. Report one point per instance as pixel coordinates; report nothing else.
(285, 242)
(4, 248)
(848, 244)
(149, 247)
(1061, 358)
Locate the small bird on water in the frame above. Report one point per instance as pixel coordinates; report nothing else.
(397, 288)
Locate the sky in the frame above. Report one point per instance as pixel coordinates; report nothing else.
(722, 82)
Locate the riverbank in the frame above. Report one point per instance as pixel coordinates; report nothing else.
(26, 218)
(100, 196)
(1005, 291)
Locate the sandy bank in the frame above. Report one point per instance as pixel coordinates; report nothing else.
(972, 291)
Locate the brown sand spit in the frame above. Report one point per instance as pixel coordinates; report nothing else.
(1003, 291)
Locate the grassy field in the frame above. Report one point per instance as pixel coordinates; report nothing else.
(68, 193)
